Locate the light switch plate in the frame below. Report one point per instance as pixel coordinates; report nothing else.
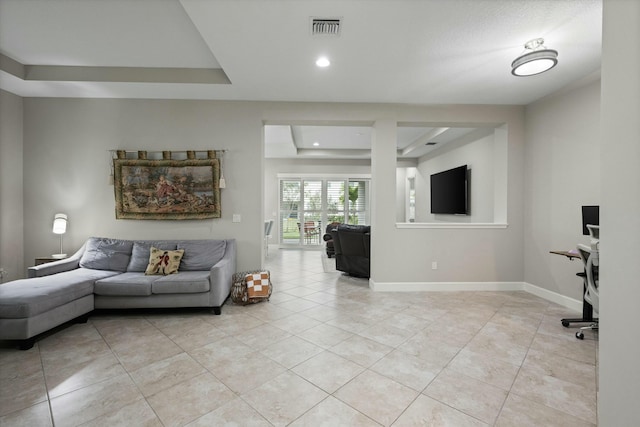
(237, 218)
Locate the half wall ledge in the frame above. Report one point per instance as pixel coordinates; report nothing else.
(415, 225)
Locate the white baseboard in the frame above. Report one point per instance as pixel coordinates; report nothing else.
(444, 286)
(477, 286)
(559, 299)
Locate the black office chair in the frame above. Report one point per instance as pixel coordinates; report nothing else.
(591, 260)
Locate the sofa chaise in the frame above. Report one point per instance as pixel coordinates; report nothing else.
(110, 274)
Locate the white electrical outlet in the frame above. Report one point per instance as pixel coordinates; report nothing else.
(434, 265)
(237, 218)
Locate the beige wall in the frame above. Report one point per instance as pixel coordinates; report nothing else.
(562, 173)
(620, 216)
(11, 210)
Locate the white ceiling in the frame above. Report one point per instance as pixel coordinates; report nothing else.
(388, 51)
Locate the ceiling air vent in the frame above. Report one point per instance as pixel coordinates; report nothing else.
(325, 26)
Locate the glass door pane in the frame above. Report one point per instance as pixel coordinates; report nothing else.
(335, 201)
(312, 212)
(289, 211)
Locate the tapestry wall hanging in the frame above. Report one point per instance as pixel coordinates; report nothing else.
(167, 189)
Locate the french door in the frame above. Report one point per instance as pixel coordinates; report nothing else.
(307, 205)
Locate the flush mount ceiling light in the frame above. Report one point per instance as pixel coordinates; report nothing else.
(536, 59)
(316, 144)
(323, 61)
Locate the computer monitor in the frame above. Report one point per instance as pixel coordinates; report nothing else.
(591, 216)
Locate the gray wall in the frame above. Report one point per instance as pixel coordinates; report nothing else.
(67, 166)
(66, 169)
(620, 218)
(404, 256)
(562, 169)
(478, 155)
(11, 211)
(399, 255)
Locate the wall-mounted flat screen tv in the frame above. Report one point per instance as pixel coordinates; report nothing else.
(449, 192)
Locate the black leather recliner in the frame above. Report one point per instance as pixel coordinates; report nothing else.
(328, 238)
(352, 244)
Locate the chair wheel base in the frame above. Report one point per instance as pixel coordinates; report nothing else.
(580, 335)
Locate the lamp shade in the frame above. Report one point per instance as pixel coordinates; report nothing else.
(60, 223)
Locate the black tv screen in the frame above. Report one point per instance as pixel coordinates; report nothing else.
(449, 191)
(591, 216)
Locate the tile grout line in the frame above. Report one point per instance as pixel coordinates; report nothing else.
(46, 387)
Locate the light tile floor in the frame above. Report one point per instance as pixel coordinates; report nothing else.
(325, 350)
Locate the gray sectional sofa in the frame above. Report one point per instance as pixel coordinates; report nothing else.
(110, 273)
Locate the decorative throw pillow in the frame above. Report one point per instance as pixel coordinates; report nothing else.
(141, 250)
(163, 262)
(258, 284)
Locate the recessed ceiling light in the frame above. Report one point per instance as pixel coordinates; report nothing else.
(323, 61)
(316, 144)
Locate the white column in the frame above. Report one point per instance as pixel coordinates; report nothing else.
(383, 193)
(620, 216)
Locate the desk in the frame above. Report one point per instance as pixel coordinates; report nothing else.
(570, 255)
(587, 309)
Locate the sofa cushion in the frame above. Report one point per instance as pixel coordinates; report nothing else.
(185, 282)
(142, 249)
(125, 284)
(30, 297)
(201, 255)
(106, 254)
(163, 262)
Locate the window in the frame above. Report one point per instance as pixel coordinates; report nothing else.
(307, 205)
